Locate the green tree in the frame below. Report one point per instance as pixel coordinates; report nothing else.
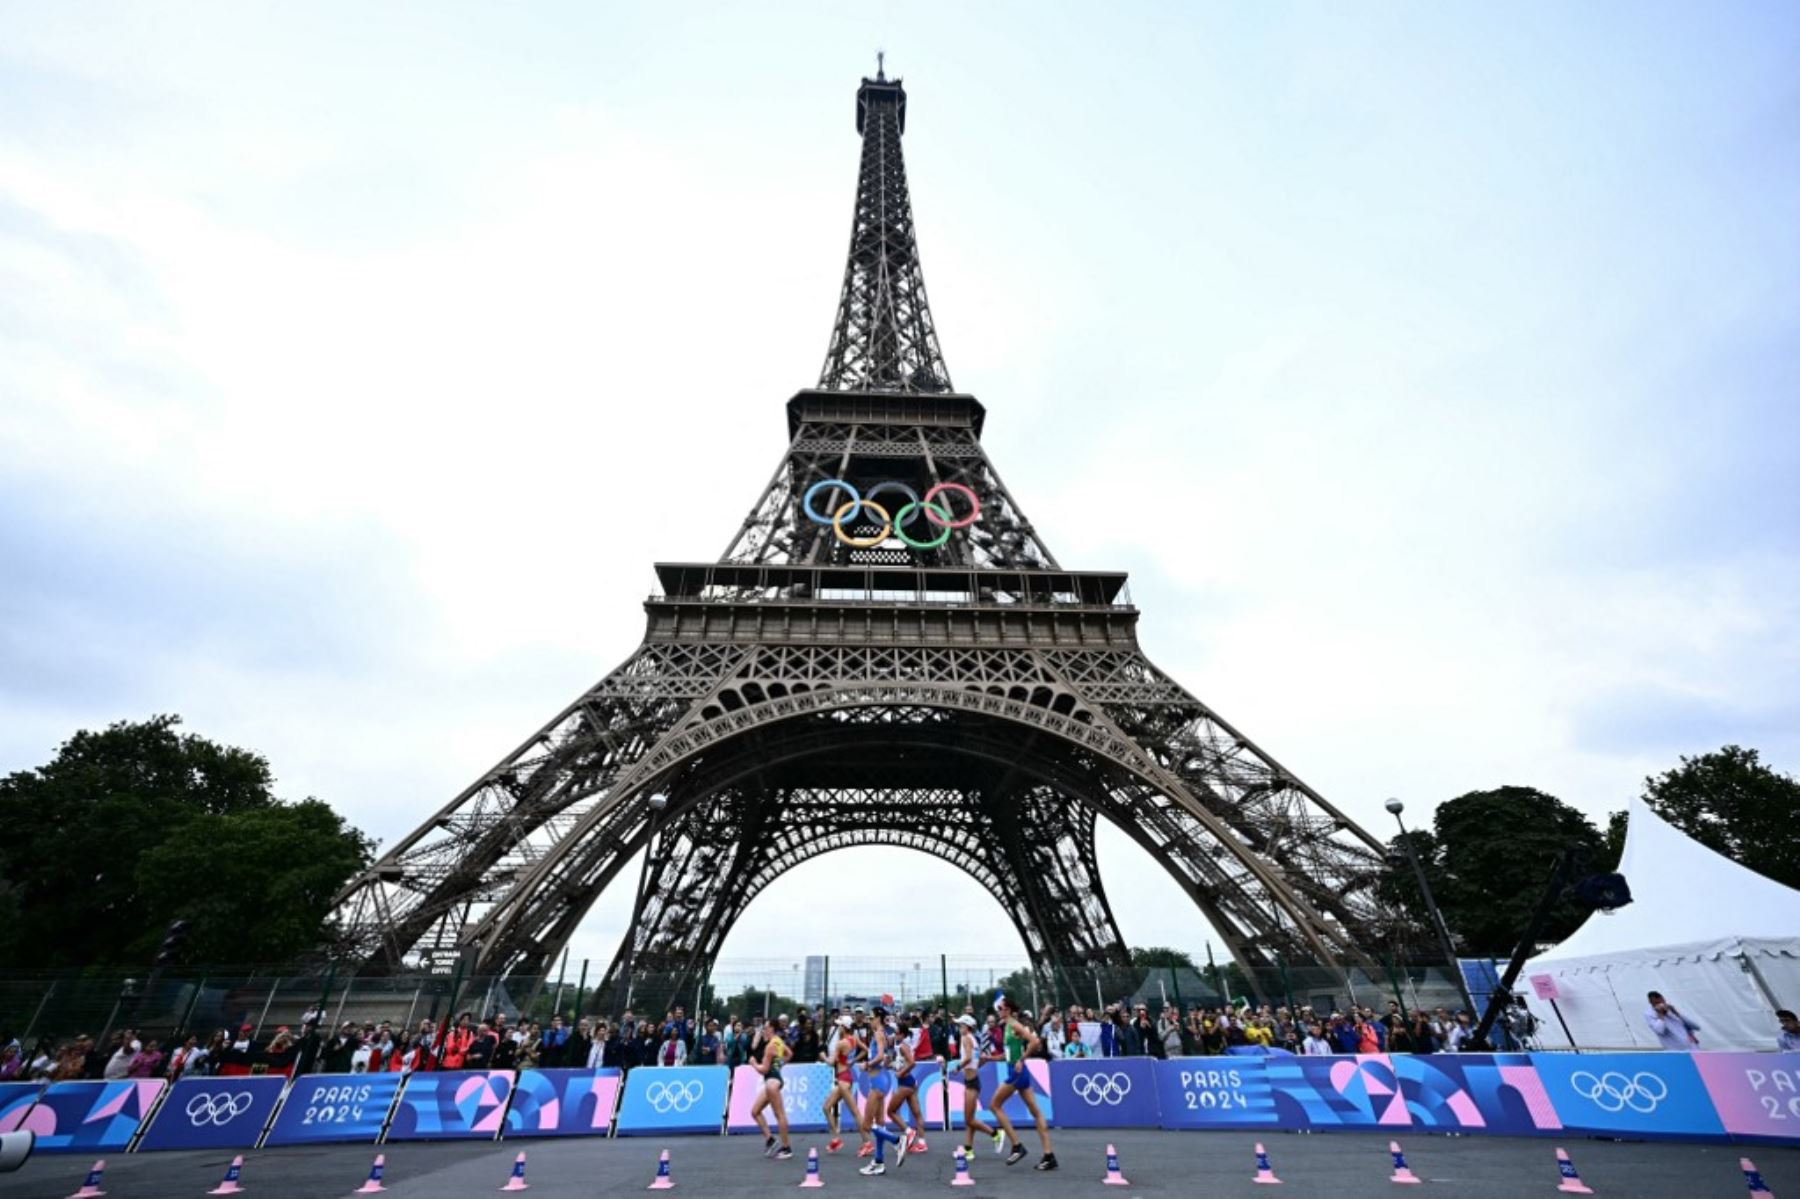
(1487, 857)
(139, 824)
(1157, 957)
(1730, 802)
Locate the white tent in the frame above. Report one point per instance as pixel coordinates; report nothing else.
(1721, 942)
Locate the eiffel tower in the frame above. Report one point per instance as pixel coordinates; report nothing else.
(887, 653)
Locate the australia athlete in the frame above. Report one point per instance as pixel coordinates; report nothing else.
(1019, 1038)
(774, 1052)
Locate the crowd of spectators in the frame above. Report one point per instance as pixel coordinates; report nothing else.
(494, 1042)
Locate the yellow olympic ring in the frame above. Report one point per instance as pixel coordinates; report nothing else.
(887, 525)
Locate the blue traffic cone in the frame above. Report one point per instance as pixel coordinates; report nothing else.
(1753, 1178)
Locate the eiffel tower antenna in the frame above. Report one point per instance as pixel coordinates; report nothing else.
(886, 653)
(883, 338)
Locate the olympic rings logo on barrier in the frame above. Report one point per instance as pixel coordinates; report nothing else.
(1613, 1092)
(217, 1108)
(668, 1097)
(896, 524)
(1101, 1090)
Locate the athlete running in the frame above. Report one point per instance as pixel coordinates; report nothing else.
(844, 1048)
(880, 1073)
(906, 1089)
(774, 1052)
(1019, 1039)
(968, 1065)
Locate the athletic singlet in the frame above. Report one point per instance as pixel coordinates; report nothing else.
(841, 1056)
(777, 1050)
(905, 1073)
(968, 1057)
(1015, 1048)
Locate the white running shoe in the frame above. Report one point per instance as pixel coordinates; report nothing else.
(872, 1169)
(906, 1143)
(999, 1143)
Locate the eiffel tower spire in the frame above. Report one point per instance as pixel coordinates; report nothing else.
(883, 339)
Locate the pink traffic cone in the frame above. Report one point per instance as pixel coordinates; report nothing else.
(1401, 1173)
(229, 1185)
(1571, 1181)
(812, 1178)
(662, 1181)
(1753, 1178)
(1265, 1173)
(373, 1186)
(517, 1181)
(961, 1178)
(1113, 1177)
(90, 1186)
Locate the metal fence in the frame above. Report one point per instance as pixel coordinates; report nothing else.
(200, 1000)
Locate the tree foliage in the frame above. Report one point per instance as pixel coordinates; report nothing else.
(1730, 802)
(139, 824)
(1158, 957)
(1487, 857)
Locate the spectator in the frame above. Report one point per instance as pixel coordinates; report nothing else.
(1421, 1032)
(673, 1050)
(185, 1058)
(482, 1045)
(455, 1049)
(1074, 1048)
(1168, 1031)
(118, 1066)
(1258, 1033)
(1788, 1039)
(1674, 1030)
(281, 1053)
(1140, 1034)
(12, 1064)
(806, 1046)
(43, 1059)
(737, 1046)
(340, 1051)
(506, 1051)
(940, 1033)
(1315, 1044)
(580, 1043)
(645, 1048)
(1461, 1033)
(306, 1052)
(1368, 1040)
(1343, 1034)
(1051, 1034)
(709, 1048)
(554, 1040)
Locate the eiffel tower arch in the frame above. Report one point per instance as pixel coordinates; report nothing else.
(886, 653)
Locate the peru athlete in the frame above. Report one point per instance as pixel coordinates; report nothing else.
(842, 1058)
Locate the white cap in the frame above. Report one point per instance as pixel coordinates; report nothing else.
(966, 1020)
(844, 1022)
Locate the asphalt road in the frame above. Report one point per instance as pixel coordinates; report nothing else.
(1156, 1163)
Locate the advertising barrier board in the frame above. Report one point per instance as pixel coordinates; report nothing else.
(334, 1107)
(674, 1099)
(1757, 1095)
(214, 1113)
(803, 1091)
(1213, 1092)
(1115, 1092)
(563, 1102)
(84, 1117)
(1630, 1094)
(451, 1105)
(16, 1099)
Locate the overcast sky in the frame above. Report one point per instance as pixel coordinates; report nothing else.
(1432, 368)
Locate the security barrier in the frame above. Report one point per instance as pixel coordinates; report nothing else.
(214, 1113)
(1674, 1096)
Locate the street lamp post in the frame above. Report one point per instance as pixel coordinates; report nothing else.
(1437, 917)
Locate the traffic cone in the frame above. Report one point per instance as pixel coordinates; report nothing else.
(1401, 1173)
(517, 1181)
(1571, 1181)
(812, 1178)
(662, 1181)
(962, 1178)
(374, 1184)
(1113, 1177)
(91, 1185)
(229, 1186)
(1265, 1173)
(1753, 1178)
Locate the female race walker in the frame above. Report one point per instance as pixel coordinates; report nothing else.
(842, 1058)
(968, 1065)
(1019, 1038)
(881, 1084)
(774, 1052)
(906, 1089)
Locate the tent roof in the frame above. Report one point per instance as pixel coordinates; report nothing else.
(1682, 892)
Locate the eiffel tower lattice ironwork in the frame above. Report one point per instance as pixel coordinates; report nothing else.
(885, 654)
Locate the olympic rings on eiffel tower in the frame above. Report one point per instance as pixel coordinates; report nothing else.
(892, 525)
